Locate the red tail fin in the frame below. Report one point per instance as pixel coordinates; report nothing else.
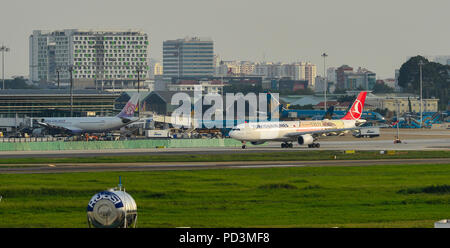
(356, 110)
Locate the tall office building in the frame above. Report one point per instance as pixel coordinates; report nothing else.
(340, 73)
(189, 57)
(310, 73)
(442, 59)
(361, 79)
(110, 58)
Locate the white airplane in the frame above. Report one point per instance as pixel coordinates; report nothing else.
(79, 125)
(303, 132)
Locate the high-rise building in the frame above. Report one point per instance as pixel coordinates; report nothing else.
(331, 75)
(158, 69)
(295, 71)
(103, 57)
(442, 59)
(340, 80)
(361, 79)
(189, 57)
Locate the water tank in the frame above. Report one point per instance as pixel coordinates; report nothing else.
(111, 209)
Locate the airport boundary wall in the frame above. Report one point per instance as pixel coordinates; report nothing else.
(121, 144)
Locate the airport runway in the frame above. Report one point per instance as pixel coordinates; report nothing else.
(98, 167)
(327, 143)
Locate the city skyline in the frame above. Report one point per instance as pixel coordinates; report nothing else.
(378, 35)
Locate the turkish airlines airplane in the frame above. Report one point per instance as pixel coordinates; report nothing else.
(78, 125)
(302, 132)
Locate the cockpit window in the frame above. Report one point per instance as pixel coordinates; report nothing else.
(236, 129)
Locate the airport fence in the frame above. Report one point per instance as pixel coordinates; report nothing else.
(121, 144)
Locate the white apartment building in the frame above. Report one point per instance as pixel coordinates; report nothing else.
(112, 59)
(295, 71)
(225, 68)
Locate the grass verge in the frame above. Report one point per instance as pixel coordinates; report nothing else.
(264, 156)
(263, 197)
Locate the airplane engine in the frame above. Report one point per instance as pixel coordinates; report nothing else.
(124, 121)
(305, 139)
(258, 142)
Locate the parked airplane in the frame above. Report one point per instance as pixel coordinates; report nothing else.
(304, 132)
(79, 125)
(327, 116)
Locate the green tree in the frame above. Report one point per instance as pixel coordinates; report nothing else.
(346, 98)
(435, 79)
(17, 83)
(382, 88)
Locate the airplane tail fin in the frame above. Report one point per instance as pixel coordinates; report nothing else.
(130, 107)
(356, 110)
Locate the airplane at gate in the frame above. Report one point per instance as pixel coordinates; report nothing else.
(302, 132)
(79, 125)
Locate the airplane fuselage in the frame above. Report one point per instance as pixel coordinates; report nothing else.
(88, 124)
(277, 131)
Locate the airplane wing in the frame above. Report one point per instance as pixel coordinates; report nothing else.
(324, 131)
(58, 128)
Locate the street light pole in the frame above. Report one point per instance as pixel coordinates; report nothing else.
(139, 105)
(421, 108)
(324, 55)
(398, 120)
(57, 72)
(3, 49)
(71, 90)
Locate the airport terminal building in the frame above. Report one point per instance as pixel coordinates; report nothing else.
(56, 103)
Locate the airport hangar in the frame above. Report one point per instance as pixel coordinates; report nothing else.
(17, 106)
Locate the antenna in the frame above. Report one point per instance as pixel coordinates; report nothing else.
(120, 183)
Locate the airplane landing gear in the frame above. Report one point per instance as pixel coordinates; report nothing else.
(314, 145)
(286, 145)
(243, 145)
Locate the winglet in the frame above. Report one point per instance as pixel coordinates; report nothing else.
(130, 107)
(356, 110)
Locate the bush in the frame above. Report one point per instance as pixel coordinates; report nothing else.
(438, 189)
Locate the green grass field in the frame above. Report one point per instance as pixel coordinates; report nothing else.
(377, 196)
(260, 156)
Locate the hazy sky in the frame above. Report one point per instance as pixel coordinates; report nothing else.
(378, 34)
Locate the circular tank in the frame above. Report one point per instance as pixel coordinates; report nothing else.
(112, 208)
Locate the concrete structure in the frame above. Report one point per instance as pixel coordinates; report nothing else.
(310, 73)
(390, 102)
(289, 85)
(158, 69)
(55, 103)
(361, 79)
(108, 59)
(429, 105)
(319, 85)
(294, 71)
(442, 59)
(205, 86)
(331, 75)
(239, 68)
(189, 57)
(340, 79)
